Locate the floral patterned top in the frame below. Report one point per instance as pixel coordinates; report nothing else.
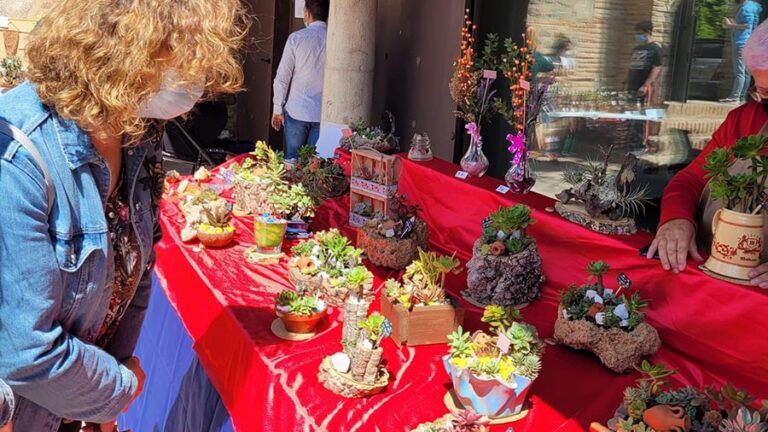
(126, 247)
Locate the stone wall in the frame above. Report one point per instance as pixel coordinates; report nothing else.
(602, 32)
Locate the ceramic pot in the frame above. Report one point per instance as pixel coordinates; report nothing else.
(666, 418)
(488, 397)
(301, 324)
(215, 240)
(736, 244)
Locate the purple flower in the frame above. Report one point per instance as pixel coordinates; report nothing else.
(517, 147)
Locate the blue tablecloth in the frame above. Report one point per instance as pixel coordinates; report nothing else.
(178, 396)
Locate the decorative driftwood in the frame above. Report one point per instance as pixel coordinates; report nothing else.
(511, 280)
(392, 252)
(252, 197)
(344, 385)
(617, 349)
(576, 213)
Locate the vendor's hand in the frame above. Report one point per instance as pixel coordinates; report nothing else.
(278, 120)
(674, 241)
(758, 277)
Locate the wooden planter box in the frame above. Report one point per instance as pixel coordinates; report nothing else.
(424, 325)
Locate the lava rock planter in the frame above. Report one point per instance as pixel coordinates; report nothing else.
(505, 268)
(392, 252)
(612, 326)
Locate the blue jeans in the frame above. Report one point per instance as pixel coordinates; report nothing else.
(299, 134)
(741, 77)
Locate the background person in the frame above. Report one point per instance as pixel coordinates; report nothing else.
(682, 205)
(644, 71)
(746, 19)
(298, 86)
(76, 271)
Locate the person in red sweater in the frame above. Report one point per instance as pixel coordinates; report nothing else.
(676, 237)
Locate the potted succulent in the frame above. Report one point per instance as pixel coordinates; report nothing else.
(655, 405)
(294, 204)
(358, 371)
(457, 421)
(299, 314)
(598, 319)
(393, 242)
(331, 265)
(737, 178)
(322, 178)
(11, 72)
(216, 231)
(492, 373)
(505, 267)
(418, 308)
(601, 201)
(365, 136)
(255, 178)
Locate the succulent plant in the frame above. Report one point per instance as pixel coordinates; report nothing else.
(286, 297)
(745, 421)
(469, 421)
(460, 343)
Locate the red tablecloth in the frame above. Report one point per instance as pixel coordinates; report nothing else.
(712, 331)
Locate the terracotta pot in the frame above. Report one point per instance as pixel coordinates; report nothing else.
(666, 418)
(215, 240)
(736, 244)
(301, 324)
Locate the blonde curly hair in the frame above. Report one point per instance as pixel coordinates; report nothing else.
(94, 61)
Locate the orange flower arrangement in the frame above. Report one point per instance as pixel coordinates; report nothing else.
(516, 66)
(463, 85)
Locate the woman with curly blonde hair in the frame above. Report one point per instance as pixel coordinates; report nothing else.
(80, 179)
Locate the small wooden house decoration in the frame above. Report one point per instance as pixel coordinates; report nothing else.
(374, 178)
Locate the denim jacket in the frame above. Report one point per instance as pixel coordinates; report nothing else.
(57, 268)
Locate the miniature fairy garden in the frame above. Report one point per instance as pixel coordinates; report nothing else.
(505, 268)
(358, 371)
(418, 307)
(362, 136)
(654, 404)
(607, 322)
(457, 421)
(602, 201)
(492, 372)
(206, 217)
(393, 242)
(330, 265)
(298, 315)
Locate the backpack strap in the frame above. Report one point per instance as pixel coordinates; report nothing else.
(16, 134)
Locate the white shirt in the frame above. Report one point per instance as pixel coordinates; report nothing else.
(301, 70)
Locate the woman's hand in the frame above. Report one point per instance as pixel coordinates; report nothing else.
(674, 241)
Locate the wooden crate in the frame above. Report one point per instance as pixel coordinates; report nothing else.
(377, 203)
(375, 173)
(424, 325)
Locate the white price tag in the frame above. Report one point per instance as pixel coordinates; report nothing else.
(502, 189)
(462, 175)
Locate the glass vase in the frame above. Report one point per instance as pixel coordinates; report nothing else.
(520, 177)
(269, 233)
(474, 162)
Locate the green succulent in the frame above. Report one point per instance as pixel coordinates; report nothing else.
(373, 326)
(286, 297)
(508, 219)
(304, 248)
(744, 191)
(500, 318)
(304, 306)
(597, 269)
(460, 343)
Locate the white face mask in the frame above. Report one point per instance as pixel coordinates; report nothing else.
(173, 99)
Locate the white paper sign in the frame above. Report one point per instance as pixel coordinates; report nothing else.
(299, 11)
(502, 189)
(330, 134)
(4, 22)
(462, 174)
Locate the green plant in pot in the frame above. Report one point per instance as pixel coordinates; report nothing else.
(299, 314)
(735, 208)
(216, 231)
(11, 71)
(323, 178)
(294, 204)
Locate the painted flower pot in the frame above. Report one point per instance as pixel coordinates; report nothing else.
(736, 244)
(301, 324)
(488, 397)
(269, 234)
(216, 238)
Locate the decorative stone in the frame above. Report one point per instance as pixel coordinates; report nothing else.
(341, 362)
(511, 280)
(621, 311)
(617, 349)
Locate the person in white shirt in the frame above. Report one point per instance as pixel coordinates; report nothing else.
(298, 86)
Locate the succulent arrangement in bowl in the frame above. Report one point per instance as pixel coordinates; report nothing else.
(394, 241)
(505, 268)
(420, 311)
(492, 372)
(654, 404)
(331, 265)
(457, 421)
(323, 178)
(207, 218)
(365, 136)
(216, 231)
(299, 314)
(605, 321)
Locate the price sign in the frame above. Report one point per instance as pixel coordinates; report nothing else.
(502, 189)
(462, 175)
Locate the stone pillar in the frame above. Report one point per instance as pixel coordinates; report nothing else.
(349, 62)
